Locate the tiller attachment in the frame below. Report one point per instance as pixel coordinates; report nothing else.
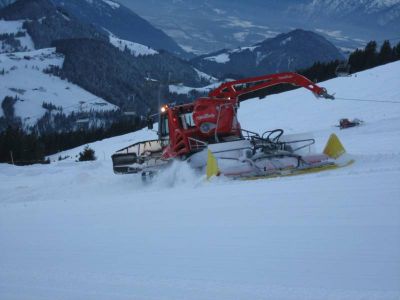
(272, 155)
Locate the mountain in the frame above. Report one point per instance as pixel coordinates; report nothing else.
(286, 52)
(45, 23)
(383, 12)
(104, 15)
(122, 22)
(129, 75)
(205, 26)
(124, 79)
(24, 77)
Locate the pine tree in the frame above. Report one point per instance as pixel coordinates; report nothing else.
(370, 55)
(357, 60)
(397, 51)
(88, 154)
(386, 53)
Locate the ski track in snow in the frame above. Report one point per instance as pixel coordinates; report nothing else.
(77, 231)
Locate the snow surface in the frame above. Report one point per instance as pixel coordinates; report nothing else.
(14, 27)
(285, 41)
(24, 78)
(135, 48)
(113, 4)
(76, 231)
(224, 57)
(241, 49)
(11, 26)
(186, 90)
(205, 76)
(220, 58)
(344, 6)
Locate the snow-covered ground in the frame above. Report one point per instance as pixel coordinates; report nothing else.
(205, 76)
(224, 57)
(134, 48)
(183, 89)
(113, 4)
(15, 27)
(220, 58)
(24, 77)
(77, 231)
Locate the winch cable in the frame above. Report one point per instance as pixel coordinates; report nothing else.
(368, 100)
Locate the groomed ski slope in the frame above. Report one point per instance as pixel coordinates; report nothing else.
(77, 231)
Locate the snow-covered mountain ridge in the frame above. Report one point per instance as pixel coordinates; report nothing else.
(292, 51)
(39, 24)
(343, 6)
(207, 26)
(386, 11)
(124, 23)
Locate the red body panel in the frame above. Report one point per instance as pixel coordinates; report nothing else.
(220, 112)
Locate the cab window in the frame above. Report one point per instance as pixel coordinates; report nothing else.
(164, 129)
(187, 120)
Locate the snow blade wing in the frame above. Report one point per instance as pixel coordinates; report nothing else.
(212, 165)
(334, 147)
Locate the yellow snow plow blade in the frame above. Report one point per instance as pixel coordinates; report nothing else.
(334, 147)
(212, 165)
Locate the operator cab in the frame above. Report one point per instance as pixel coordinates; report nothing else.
(181, 116)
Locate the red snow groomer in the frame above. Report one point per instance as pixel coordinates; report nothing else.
(208, 135)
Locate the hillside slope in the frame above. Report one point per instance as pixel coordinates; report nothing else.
(14, 38)
(76, 231)
(295, 50)
(106, 66)
(45, 23)
(22, 76)
(122, 22)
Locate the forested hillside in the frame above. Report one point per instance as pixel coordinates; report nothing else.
(121, 78)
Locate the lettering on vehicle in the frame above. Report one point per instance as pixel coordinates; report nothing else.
(206, 116)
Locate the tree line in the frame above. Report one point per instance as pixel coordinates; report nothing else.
(359, 60)
(23, 147)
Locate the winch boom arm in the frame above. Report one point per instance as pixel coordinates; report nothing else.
(234, 89)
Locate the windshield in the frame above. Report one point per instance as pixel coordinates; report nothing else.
(164, 129)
